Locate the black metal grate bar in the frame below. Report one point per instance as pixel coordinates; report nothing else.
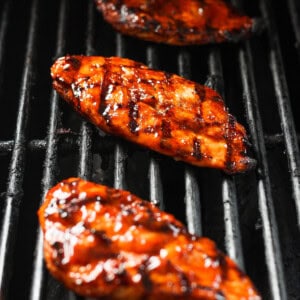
(284, 105)
(192, 193)
(85, 154)
(90, 34)
(266, 204)
(50, 164)
(192, 202)
(17, 164)
(271, 242)
(120, 155)
(67, 143)
(3, 29)
(295, 21)
(156, 193)
(233, 242)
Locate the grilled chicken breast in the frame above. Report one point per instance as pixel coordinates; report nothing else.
(155, 109)
(107, 243)
(177, 22)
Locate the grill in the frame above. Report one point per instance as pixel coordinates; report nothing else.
(253, 217)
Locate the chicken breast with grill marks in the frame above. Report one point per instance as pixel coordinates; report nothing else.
(177, 22)
(161, 111)
(108, 243)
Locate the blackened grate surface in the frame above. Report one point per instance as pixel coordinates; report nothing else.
(254, 217)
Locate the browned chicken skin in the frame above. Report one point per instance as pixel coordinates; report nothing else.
(107, 243)
(177, 22)
(155, 109)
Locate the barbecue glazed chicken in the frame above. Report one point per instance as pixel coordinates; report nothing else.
(107, 243)
(177, 22)
(155, 109)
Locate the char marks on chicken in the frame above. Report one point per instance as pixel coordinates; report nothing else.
(177, 22)
(161, 111)
(108, 243)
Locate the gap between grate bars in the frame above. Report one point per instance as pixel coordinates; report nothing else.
(17, 164)
(50, 164)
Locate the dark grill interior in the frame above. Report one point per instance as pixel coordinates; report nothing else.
(254, 217)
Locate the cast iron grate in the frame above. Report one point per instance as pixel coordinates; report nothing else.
(254, 217)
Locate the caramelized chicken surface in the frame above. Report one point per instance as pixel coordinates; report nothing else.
(107, 243)
(177, 22)
(154, 109)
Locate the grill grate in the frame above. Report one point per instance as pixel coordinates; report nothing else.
(229, 196)
(254, 217)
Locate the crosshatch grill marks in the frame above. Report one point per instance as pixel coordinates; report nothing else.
(183, 121)
(133, 105)
(133, 114)
(197, 149)
(200, 91)
(104, 91)
(166, 129)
